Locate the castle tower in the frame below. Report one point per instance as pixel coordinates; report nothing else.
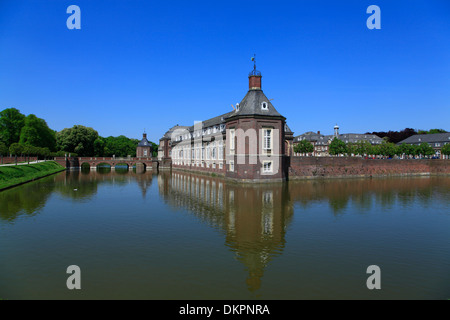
(255, 137)
(144, 148)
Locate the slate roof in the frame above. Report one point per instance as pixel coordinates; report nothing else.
(429, 138)
(321, 139)
(251, 105)
(144, 143)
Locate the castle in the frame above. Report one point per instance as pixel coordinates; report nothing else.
(251, 143)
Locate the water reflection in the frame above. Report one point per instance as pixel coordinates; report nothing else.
(253, 219)
(76, 185)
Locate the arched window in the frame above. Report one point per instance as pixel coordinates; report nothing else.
(264, 106)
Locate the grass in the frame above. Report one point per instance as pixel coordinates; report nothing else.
(14, 175)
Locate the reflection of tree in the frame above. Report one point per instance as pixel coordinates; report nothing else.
(76, 185)
(25, 199)
(363, 192)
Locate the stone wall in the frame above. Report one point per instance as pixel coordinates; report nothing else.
(341, 167)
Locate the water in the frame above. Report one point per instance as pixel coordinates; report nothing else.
(182, 236)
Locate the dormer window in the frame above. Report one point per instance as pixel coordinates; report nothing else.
(237, 106)
(264, 106)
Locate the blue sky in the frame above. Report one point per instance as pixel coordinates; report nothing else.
(153, 64)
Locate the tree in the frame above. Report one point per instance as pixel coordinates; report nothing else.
(303, 146)
(15, 149)
(352, 149)
(11, 123)
(395, 136)
(78, 139)
(120, 146)
(36, 132)
(363, 148)
(432, 131)
(154, 149)
(426, 149)
(3, 150)
(388, 149)
(99, 147)
(337, 147)
(446, 149)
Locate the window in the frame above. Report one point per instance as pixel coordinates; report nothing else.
(267, 142)
(145, 153)
(264, 106)
(232, 166)
(237, 106)
(267, 166)
(232, 138)
(221, 165)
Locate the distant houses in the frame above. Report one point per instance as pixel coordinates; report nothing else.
(322, 142)
(436, 140)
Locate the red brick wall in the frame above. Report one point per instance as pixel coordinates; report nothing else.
(247, 171)
(7, 160)
(315, 167)
(254, 82)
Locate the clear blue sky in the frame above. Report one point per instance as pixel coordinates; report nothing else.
(153, 64)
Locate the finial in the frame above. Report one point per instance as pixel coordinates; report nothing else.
(254, 72)
(254, 61)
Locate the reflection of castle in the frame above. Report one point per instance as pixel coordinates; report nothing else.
(253, 219)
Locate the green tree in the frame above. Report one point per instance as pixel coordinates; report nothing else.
(352, 149)
(11, 123)
(36, 132)
(3, 149)
(405, 149)
(154, 149)
(78, 139)
(363, 148)
(303, 146)
(99, 147)
(120, 146)
(446, 149)
(425, 149)
(16, 149)
(388, 149)
(337, 147)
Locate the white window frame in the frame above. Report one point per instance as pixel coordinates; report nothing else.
(231, 166)
(267, 147)
(269, 168)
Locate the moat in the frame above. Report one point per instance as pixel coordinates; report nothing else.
(183, 236)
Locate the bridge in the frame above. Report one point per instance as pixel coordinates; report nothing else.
(94, 162)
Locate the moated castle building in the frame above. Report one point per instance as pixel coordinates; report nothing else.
(250, 143)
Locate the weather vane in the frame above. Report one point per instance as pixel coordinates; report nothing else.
(254, 61)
